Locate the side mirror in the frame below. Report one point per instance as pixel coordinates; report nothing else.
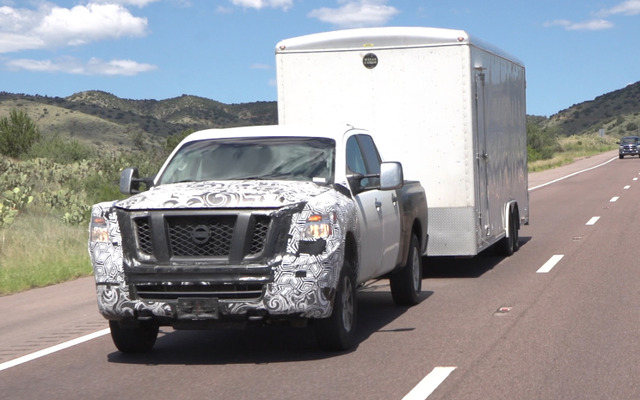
(391, 176)
(354, 182)
(130, 182)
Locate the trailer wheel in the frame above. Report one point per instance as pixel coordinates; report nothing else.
(509, 245)
(138, 338)
(406, 283)
(516, 233)
(337, 332)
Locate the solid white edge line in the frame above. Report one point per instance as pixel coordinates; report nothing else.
(548, 266)
(570, 175)
(53, 349)
(429, 383)
(592, 221)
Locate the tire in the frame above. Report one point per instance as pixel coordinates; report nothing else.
(135, 338)
(509, 245)
(406, 283)
(620, 156)
(337, 332)
(516, 234)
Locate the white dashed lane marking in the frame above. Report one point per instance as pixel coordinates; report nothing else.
(429, 383)
(548, 266)
(593, 221)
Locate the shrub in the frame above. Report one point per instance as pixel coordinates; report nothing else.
(17, 134)
(59, 150)
(175, 139)
(541, 143)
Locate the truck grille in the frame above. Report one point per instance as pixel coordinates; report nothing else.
(194, 237)
(202, 235)
(178, 254)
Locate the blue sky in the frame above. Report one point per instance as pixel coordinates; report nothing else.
(573, 50)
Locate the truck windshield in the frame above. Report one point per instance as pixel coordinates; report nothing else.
(282, 158)
(630, 140)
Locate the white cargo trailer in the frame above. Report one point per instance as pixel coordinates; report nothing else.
(451, 108)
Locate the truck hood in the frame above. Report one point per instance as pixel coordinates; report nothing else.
(223, 194)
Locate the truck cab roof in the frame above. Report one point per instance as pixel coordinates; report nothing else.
(335, 132)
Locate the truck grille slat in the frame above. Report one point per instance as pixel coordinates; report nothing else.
(224, 292)
(144, 235)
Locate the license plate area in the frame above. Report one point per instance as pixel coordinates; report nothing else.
(191, 309)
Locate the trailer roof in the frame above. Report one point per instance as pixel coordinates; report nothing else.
(386, 37)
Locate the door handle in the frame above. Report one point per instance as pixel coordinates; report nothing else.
(378, 204)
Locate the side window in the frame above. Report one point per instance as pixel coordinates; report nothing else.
(370, 152)
(363, 158)
(355, 161)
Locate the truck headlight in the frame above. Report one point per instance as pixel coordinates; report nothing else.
(98, 231)
(319, 226)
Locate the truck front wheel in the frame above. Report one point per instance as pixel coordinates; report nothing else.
(337, 332)
(406, 283)
(138, 338)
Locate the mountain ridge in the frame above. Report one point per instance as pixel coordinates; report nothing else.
(102, 118)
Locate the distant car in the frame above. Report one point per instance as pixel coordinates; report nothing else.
(629, 146)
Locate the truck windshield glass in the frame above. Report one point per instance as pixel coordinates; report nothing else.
(290, 158)
(630, 140)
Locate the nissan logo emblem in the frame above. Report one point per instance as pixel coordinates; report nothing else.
(200, 234)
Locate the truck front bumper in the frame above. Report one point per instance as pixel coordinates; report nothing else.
(294, 286)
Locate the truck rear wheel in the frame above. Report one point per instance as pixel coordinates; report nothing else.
(338, 331)
(138, 338)
(406, 283)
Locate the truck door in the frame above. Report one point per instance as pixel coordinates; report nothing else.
(378, 211)
(482, 158)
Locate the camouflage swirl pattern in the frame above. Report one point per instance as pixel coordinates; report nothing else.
(308, 294)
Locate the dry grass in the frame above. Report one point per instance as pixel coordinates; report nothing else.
(576, 147)
(40, 250)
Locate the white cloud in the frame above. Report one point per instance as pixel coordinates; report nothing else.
(71, 65)
(629, 7)
(117, 67)
(139, 3)
(356, 13)
(593, 25)
(259, 4)
(82, 24)
(10, 42)
(51, 26)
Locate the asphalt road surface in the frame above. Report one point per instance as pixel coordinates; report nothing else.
(557, 320)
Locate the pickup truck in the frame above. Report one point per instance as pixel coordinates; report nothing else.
(258, 224)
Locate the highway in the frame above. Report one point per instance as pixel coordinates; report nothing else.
(557, 320)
